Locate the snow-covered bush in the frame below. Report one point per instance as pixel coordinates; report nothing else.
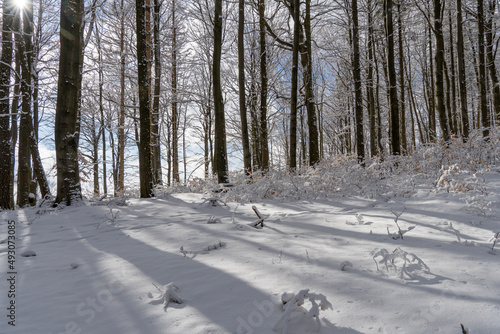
(293, 306)
(402, 263)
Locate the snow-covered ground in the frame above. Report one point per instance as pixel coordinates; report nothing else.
(120, 269)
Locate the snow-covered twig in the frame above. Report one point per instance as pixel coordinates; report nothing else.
(293, 303)
(495, 239)
(205, 250)
(168, 294)
(259, 221)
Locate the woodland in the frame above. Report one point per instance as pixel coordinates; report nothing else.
(145, 95)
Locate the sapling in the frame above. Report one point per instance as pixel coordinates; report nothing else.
(400, 233)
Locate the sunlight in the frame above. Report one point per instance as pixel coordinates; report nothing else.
(20, 3)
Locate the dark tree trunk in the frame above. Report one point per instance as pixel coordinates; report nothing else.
(402, 106)
(309, 90)
(5, 133)
(439, 68)
(24, 159)
(264, 150)
(369, 84)
(431, 96)
(461, 74)
(391, 73)
(175, 112)
(358, 96)
(67, 127)
(145, 173)
(490, 57)
(483, 89)
(220, 153)
(121, 119)
(155, 116)
(294, 92)
(247, 155)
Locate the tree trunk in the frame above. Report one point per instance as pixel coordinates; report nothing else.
(24, 158)
(309, 90)
(483, 89)
(5, 133)
(121, 119)
(220, 153)
(453, 77)
(431, 96)
(439, 68)
(263, 88)
(69, 85)
(461, 74)
(175, 112)
(155, 116)
(358, 96)
(393, 89)
(145, 173)
(295, 70)
(490, 57)
(402, 106)
(369, 84)
(247, 155)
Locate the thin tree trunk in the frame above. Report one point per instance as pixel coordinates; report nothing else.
(402, 83)
(121, 119)
(247, 155)
(439, 68)
(461, 74)
(369, 83)
(358, 96)
(393, 89)
(155, 115)
(263, 88)
(175, 112)
(309, 90)
(490, 57)
(220, 154)
(483, 89)
(24, 158)
(67, 109)
(294, 92)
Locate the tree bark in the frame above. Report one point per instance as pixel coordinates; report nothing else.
(439, 68)
(155, 115)
(358, 96)
(295, 70)
(175, 112)
(369, 84)
(402, 106)
(490, 57)
(121, 119)
(247, 155)
(5, 133)
(309, 90)
(483, 89)
(220, 152)
(263, 88)
(461, 74)
(145, 173)
(393, 89)
(67, 126)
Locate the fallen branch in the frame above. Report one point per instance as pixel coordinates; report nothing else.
(259, 215)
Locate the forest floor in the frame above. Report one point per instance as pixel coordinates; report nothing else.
(121, 269)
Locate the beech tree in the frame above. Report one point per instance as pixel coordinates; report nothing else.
(67, 109)
(5, 133)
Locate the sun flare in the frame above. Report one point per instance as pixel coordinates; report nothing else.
(20, 3)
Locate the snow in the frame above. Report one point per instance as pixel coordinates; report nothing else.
(121, 268)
